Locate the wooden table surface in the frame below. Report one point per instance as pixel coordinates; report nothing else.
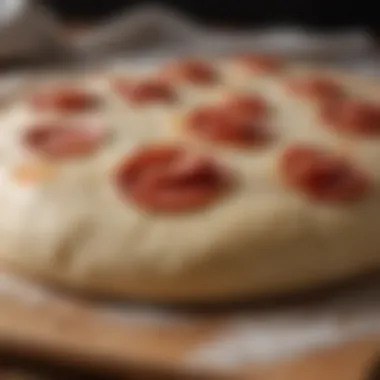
(68, 340)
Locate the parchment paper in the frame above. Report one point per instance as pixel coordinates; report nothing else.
(151, 33)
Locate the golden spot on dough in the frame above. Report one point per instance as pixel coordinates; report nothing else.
(240, 76)
(177, 131)
(347, 147)
(177, 121)
(273, 167)
(34, 173)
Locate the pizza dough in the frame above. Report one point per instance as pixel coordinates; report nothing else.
(193, 181)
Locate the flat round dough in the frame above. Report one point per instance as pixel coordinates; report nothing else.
(65, 222)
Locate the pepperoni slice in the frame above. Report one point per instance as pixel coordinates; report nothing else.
(249, 106)
(319, 89)
(170, 179)
(260, 63)
(64, 99)
(352, 116)
(145, 91)
(190, 71)
(323, 176)
(220, 124)
(58, 140)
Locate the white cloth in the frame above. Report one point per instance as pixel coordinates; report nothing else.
(28, 30)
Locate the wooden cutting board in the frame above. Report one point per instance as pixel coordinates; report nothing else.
(72, 336)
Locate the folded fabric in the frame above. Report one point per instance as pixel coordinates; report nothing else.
(29, 31)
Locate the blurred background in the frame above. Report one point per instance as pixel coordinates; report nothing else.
(325, 14)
